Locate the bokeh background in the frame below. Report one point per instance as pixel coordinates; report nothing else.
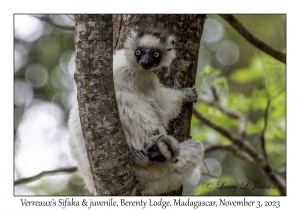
(45, 91)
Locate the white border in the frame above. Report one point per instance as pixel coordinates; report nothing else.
(118, 6)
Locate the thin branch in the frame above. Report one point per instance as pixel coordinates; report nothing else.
(228, 112)
(212, 87)
(266, 117)
(44, 173)
(242, 144)
(214, 147)
(262, 135)
(271, 174)
(71, 17)
(277, 94)
(266, 111)
(257, 23)
(252, 39)
(231, 148)
(237, 140)
(208, 171)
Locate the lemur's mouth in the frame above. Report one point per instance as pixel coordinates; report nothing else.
(147, 66)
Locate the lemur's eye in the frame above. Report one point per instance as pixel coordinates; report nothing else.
(155, 148)
(137, 52)
(156, 54)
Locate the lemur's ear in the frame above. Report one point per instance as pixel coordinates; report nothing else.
(132, 34)
(172, 40)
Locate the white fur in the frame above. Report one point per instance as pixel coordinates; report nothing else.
(149, 41)
(144, 106)
(158, 178)
(78, 150)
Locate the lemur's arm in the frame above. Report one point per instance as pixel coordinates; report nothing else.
(175, 97)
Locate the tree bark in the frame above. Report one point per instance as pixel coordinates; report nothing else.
(188, 30)
(105, 143)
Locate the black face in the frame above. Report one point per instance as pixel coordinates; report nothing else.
(154, 154)
(148, 58)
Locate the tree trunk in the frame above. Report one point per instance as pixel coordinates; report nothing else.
(105, 143)
(188, 30)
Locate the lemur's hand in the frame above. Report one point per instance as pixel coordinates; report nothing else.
(191, 94)
(139, 157)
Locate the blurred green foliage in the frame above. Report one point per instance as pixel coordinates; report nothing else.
(245, 87)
